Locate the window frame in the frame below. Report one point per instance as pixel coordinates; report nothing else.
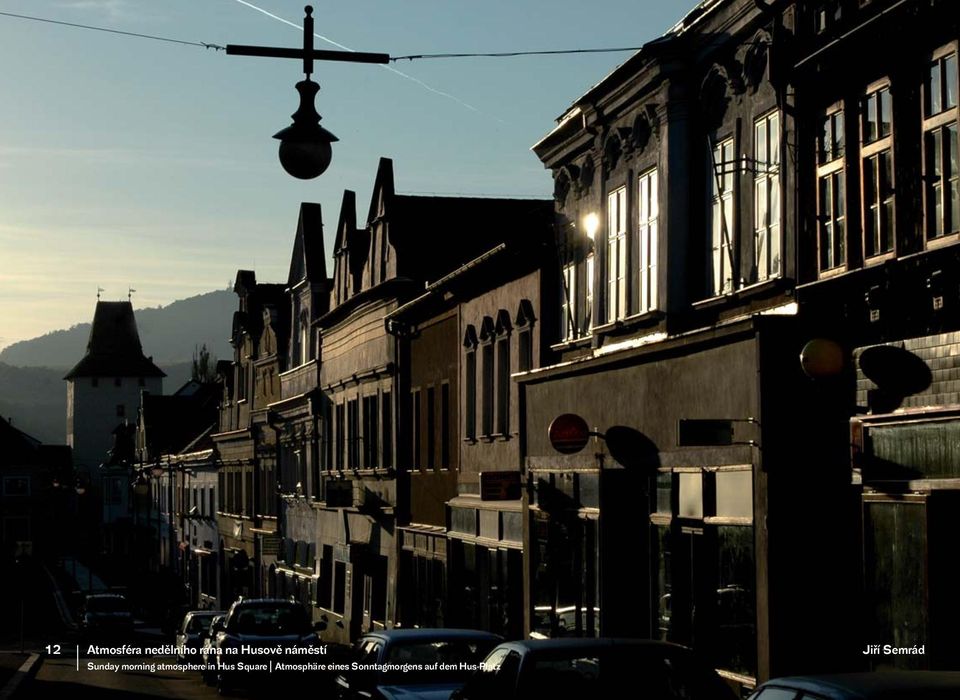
(873, 150)
(726, 238)
(767, 184)
(617, 255)
(942, 122)
(648, 239)
(832, 168)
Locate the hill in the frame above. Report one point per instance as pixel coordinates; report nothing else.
(167, 333)
(32, 391)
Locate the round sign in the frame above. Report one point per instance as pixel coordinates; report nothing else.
(568, 433)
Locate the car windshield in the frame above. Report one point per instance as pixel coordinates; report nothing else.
(107, 605)
(421, 653)
(267, 620)
(198, 623)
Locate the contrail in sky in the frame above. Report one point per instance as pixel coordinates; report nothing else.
(389, 68)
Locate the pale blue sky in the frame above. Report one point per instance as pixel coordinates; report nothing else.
(133, 162)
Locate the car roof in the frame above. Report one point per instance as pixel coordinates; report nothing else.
(587, 644)
(106, 595)
(436, 634)
(863, 686)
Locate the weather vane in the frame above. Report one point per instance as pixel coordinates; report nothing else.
(305, 150)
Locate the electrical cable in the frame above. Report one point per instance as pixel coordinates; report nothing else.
(201, 44)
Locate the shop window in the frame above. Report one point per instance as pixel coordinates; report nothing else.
(617, 254)
(691, 495)
(736, 600)
(831, 191)
(721, 175)
(766, 198)
(664, 493)
(647, 238)
(734, 491)
(940, 147)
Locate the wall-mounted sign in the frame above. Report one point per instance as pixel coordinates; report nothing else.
(695, 432)
(568, 433)
(499, 486)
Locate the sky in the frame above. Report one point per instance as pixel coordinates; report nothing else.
(130, 163)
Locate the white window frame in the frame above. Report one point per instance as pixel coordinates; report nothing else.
(617, 255)
(568, 302)
(767, 246)
(722, 183)
(648, 237)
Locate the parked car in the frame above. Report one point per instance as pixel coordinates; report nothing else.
(460, 651)
(207, 658)
(106, 615)
(546, 669)
(192, 629)
(880, 685)
(260, 623)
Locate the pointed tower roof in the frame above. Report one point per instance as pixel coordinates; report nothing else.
(114, 349)
(309, 259)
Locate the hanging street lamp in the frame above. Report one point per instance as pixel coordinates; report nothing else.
(305, 146)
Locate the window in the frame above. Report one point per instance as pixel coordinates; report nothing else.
(877, 171)
(503, 384)
(340, 432)
(353, 434)
(431, 427)
(766, 198)
(470, 386)
(568, 303)
(831, 192)
(722, 180)
(617, 254)
(525, 349)
(415, 443)
(487, 387)
(826, 15)
(16, 486)
(445, 426)
(590, 265)
(647, 233)
(371, 418)
(387, 407)
(941, 194)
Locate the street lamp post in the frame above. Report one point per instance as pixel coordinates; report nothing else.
(305, 150)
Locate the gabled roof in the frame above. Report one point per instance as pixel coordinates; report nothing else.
(308, 261)
(170, 423)
(113, 349)
(347, 223)
(383, 188)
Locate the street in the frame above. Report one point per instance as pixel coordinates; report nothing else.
(59, 677)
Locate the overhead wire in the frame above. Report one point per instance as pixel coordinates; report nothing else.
(76, 25)
(409, 57)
